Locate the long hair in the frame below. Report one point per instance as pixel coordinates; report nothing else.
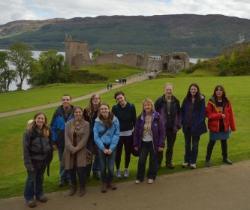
(106, 121)
(90, 109)
(148, 100)
(224, 97)
(32, 126)
(197, 95)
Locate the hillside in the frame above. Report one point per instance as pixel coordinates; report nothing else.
(199, 35)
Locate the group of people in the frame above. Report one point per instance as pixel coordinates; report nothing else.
(92, 139)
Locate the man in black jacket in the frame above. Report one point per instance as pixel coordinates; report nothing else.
(169, 108)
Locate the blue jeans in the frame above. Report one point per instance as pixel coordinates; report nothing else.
(96, 164)
(191, 148)
(34, 184)
(64, 175)
(107, 163)
(147, 149)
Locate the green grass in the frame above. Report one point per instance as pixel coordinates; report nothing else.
(112, 71)
(43, 95)
(12, 172)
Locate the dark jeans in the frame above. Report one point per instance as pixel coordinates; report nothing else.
(210, 147)
(191, 147)
(95, 166)
(107, 163)
(81, 173)
(34, 183)
(127, 141)
(64, 176)
(147, 149)
(171, 137)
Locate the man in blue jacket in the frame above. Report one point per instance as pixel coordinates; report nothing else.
(62, 115)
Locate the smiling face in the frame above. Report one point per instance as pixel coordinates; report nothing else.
(219, 92)
(169, 90)
(40, 120)
(147, 107)
(104, 111)
(193, 90)
(96, 100)
(78, 114)
(66, 100)
(120, 99)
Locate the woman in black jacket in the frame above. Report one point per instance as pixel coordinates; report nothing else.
(37, 153)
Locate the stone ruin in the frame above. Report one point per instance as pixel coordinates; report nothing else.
(77, 55)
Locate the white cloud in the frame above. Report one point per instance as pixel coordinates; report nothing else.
(43, 9)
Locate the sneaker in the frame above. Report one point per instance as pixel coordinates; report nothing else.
(126, 173)
(193, 166)
(137, 181)
(42, 199)
(207, 163)
(118, 174)
(150, 181)
(185, 165)
(31, 204)
(227, 161)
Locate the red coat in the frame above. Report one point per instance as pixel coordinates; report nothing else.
(214, 117)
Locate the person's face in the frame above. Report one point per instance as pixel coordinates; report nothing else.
(219, 92)
(147, 106)
(78, 114)
(193, 90)
(104, 111)
(40, 120)
(169, 90)
(96, 100)
(120, 99)
(66, 101)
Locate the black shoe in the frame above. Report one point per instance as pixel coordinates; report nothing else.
(207, 163)
(82, 191)
(72, 190)
(170, 165)
(42, 199)
(227, 161)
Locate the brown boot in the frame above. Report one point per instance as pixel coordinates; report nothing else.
(82, 191)
(111, 186)
(72, 190)
(104, 187)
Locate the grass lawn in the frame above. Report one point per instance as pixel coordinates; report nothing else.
(12, 172)
(113, 71)
(43, 95)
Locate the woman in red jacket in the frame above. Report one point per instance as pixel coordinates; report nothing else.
(220, 122)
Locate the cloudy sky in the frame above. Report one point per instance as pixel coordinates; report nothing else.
(11, 10)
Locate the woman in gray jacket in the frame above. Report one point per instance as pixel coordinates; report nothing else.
(75, 152)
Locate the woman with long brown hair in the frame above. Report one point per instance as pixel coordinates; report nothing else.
(37, 152)
(220, 122)
(75, 152)
(106, 136)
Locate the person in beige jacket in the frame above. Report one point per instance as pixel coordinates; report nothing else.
(75, 152)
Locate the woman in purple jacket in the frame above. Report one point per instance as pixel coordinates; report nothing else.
(148, 140)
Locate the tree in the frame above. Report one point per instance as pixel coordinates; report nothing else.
(20, 56)
(97, 52)
(6, 74)
(50, 68)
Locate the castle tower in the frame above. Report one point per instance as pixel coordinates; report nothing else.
(76, 53)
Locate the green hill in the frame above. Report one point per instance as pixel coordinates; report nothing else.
(199, 35)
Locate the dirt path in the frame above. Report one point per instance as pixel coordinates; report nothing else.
(130, 80)
(216, 188)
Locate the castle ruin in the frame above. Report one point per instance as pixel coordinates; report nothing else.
(77, 55)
